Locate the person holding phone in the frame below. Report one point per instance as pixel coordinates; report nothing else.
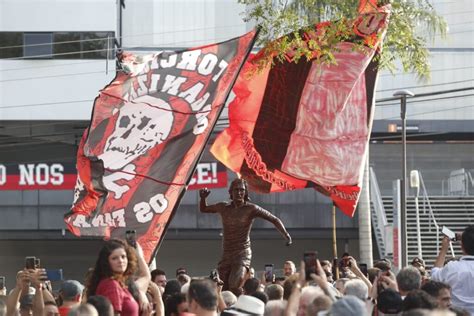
(30, 292)
(113, 277)
(458, 274)
(237, 218)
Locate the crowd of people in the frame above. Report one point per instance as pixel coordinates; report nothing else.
(121, 283)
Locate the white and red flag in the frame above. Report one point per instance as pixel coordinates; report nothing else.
(307, 124)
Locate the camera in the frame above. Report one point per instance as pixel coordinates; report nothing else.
(214, 275)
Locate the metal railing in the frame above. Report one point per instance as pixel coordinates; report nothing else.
(379, 218)
(459, 182)
(426, 202)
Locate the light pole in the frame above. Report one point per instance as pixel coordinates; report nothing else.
(403, 94)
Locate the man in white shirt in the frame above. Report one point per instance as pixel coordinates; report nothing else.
(458, 274)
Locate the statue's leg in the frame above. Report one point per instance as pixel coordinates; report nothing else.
(224, 273)
(237, 278)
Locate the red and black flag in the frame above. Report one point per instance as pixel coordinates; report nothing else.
(307, 124)
(148, 129)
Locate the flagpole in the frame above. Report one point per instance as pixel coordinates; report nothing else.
(334, 244)
(249, 50)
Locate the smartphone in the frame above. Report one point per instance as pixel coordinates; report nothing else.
(449, 233)
(214, 275)
(310, 263)
(30, 262)
(130, 236)
(363, 269)
(37, 263)
(2, 282)
(269, 273)
(54, 275)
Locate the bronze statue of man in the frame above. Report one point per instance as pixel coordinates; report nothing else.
(237, 218)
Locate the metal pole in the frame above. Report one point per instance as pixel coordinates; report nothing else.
(107, 56)
(121, 5)
(404, 182)
(403, 218)
(363, 208)
(334, 244)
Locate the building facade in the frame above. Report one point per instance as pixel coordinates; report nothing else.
(57, 55)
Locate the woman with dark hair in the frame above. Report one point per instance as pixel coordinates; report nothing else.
(114, 278)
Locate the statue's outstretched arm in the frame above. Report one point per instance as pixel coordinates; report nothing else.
(266, 215)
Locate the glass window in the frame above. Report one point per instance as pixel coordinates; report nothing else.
(9, 39)
(37, 45)
(67, 45)
(57, 45)
(97, 45)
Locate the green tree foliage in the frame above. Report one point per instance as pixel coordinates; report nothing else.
(413, 24)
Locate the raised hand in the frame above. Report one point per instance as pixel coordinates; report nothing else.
(22, 279)
(320, 277)
(37, 276)
(353, 264)
(204, 193)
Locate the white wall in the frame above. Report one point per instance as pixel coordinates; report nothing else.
(450, 70)
(460, 18)
(181, 23)
(26, 85)
(34, 82)
(452, 65)
(184, 23)
(55, 15)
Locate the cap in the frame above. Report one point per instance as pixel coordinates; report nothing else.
(70, 289)
(26, 301)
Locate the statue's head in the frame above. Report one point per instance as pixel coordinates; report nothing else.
(239, 183)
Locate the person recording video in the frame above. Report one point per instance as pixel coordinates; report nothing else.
(458, 274)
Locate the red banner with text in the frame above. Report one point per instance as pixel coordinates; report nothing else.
(62, 176)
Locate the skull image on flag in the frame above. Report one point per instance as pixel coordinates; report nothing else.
(140, 126)
(148, 129)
